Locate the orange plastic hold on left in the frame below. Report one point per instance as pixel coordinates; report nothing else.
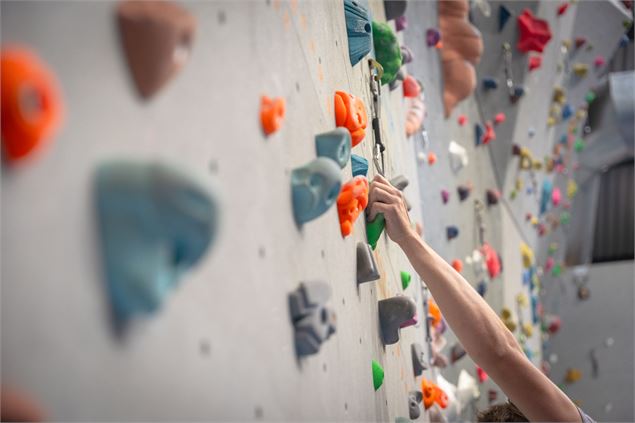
(352, 200)
(350, 112)
(31, 103)
(272, 113)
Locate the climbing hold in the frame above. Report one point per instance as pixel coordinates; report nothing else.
(480, 373)
(401, 23)
(359, 165)
(421, 157)
(350, 112)
(503, 16)
(573, 375)
(589, 97)
(366, 267)
(458, 156)
(528, 330)
(456, 353)
(580, 69)
(394, 8)
(522, 300)
(545, 195)
(579, 42)
(400, 182)
(395, 313)
(157, 38)
(478, 134)
(527, 255)
(518, 92)
(313, 320)
(464, 191)
(457, 265)
(445, 196)
(451, 232)
(378, 374)
(351, 201)
(624, 41)
(562, 8)
(387, 50)
(549, 263)
(567, 111)
(552, 323)
(507, 318)
(405, 279)
(414, 399)
(578, 146)
(406, 55)
(572, 188)
(414, 117)
(462, 120)
(432, 158)
(584, 293)
(272, 113)
(553, 247)
(358, 31)
(374, 229)
(555, 197)
(534, 62)
(433, 394)
(155, 224)
(490, 83)
(531, 132)
(565, 217)
(492, 196)
(534, 33)
(499, 118)
(335, 145)
(32, 107)
(314, 188)
(489, 134)
(418, 359)
(433, 36)
(411, 87)
(492, 260)
(559, 96)
(599, 61)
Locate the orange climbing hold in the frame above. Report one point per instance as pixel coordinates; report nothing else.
(433, 393)
(272, 113)
(432, 158)
(458, 265)
(350, 112)
(435, 313)
(32, 107)
(352, 200)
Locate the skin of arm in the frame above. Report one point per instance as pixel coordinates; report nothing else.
(483, 335)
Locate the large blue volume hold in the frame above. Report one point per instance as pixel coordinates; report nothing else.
(155, 224)
(358, 29)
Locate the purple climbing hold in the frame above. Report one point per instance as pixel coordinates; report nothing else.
(463, 191)
(406, 54)
(401, 23)
(433, 36)
(445, 196)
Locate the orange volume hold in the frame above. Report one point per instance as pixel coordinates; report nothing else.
(350, 112)
(31, 103)
(352, 200)
(272, 113)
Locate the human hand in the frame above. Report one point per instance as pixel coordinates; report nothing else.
(388, 200)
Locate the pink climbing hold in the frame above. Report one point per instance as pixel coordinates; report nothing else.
(549, 264)
(499, 118)
(480, 373)
(445, 196)
(489, 135)
(535, 62)
(462, 120)
(599, 61)
(411, 87)
(556, 196)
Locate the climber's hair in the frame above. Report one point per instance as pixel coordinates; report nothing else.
(506, 412)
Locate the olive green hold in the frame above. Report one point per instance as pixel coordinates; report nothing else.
(387, 51)
(378, 375)
(374, 230)
(405, 279)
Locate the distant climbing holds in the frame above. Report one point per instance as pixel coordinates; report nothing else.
(432, 158)
(395, 313)
(572, 188)
(387, 50)
(545, 195)
(335, 145)
(313, 320)
(374, 230)
(359, 165)
(394, 8)
(451, 232)
(534, 62)
(445, 196)
(565, 217)
(552, 323)
(462, 120)
(146, 210)
(492, 197)
(579, 42)
(411, 87)
(157, 38)
(433, 36)
(351, 201)
(580, 69)
(589, 97)
(366, 267)
(401, 23)
(378, 374)
(559, 95)
(32, 108)
(508, 320)
(478, 134)
(503, 16)
(358, 30)
(414, 399)
(499, 118)
(414, 116)
(567, 111)
(418, 359)
(527, 255)
(405, 279)
(314, 187)
(480, 373)
(464, 191)
(457, 265)
(489, 134)
(556, 196)
(406, 54)
(573, 375)
(534, 33)
(272, 113)
(562, 8)
(350, 112)
(599, 61)
(456, 353)
(490, 83)
(458, 156)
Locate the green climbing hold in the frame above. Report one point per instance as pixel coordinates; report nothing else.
(553, 247)
(387, 51)
(378, 374)
(512, 195)
(579, 145)
(557, 270)
(374, 230)
(574, 131)
(565, 217)
(405, 279)
(589, 97)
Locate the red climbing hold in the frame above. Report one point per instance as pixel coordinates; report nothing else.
(535, 62)
(492, 260)
(482, 376)
(458, 265)
(462, 120)
(489, 135)
(499, 118)
(411, 87)
(534, 32)
(579, 42)
(562, 8)
(599, 61)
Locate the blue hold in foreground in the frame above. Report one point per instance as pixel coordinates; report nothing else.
(155, 223)
(359, 165)
(314, 188)
(335, 145)
(359, 31)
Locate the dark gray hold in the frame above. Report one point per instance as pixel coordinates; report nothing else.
(418, 360)
(394, 8)
(393, 313)
(414, 399)
(366, 267)
(400, 182)
(313, 321)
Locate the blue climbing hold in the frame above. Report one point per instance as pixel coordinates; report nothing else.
(314, 188)
(519, 91)
(567, 111)
(489, 83)
(358, 29)
(481, 288)
(563, 139)
(359, 165)
(478, 134)
(451, 232)
(155, 224)
(335, 145)
(545, 198)
(503, 16)
(624, 41)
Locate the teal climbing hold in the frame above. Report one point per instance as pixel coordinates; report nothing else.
(374, 230)
(335, 145)
(358, 30)
(378, 374)
(405, 279)
(359, 165)
(314, 188)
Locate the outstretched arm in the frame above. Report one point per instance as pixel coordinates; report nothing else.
(483, 335)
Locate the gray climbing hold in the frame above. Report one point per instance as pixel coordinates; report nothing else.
(314, 188)
(335, 145)
(400, 182)
(366, 267)
(414, 399)
(313, 321)
(395, 313)
(418, 360)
